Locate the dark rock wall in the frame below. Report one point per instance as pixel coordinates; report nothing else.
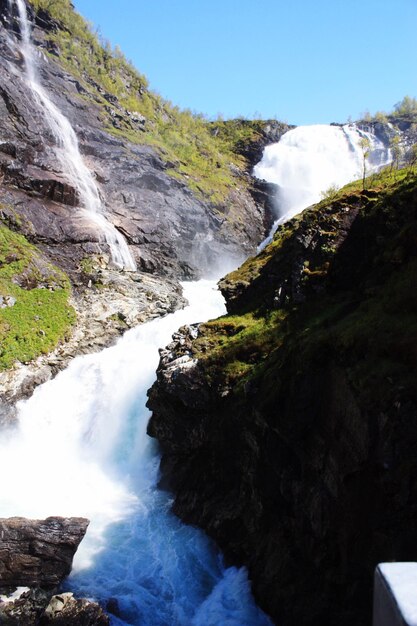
(305, 469)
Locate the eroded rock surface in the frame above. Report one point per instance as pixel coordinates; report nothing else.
(170, 230)
(38, 553)
(35, 557)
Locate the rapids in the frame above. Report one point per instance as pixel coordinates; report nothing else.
(80, 449)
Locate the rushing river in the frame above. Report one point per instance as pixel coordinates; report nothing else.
(80, 446)
(81, 449)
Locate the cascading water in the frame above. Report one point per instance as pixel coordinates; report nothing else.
(80, 446)
(308, 160)
(80, 449)
(67, 150)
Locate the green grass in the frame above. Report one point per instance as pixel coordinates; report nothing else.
(239, 343)
(237, 135)
(367, 324)
(41, 316)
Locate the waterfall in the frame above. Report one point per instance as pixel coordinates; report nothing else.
(68, 153)
(80, 449)
(308, 160)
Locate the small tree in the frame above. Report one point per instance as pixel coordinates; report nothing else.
(407, 106)
(412, 155)
(365, 146)
(397, 150)
(331, 193)
(381, 117)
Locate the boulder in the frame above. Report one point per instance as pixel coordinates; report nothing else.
(38, 553)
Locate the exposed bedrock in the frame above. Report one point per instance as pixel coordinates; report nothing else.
(38, 553)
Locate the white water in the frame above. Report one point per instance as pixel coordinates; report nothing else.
(68, 153)
(81, 449)
(308, 160)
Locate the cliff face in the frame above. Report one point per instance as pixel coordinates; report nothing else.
(292, 439)
(171, 229)
(184, 202)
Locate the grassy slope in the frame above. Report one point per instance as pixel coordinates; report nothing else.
(185, 139)
(41, 316)
(362, 311)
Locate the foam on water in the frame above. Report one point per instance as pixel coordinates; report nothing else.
(80, 449)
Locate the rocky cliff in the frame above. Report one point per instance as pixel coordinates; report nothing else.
(290, 436)
(169, 228)
(183, 200)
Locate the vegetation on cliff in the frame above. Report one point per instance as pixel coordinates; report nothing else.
(312, 376)
(194, 153)
(363, 309)
(34, 310)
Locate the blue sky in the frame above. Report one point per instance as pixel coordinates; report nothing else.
(302, 61)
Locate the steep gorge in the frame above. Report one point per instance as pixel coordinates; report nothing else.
(289, 412)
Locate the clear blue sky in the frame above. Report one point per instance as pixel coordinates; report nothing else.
(303, 61)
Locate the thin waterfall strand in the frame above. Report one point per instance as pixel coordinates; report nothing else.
(68, 152)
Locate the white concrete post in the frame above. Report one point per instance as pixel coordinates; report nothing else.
(395, 594)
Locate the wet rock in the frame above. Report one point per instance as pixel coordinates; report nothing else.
(35, 557)
(25, 607)
(38, 553)
(37, 607)
(64, 609)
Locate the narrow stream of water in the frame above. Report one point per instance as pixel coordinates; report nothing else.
(67, 150)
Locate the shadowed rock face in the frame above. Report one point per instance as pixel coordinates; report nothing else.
(304, 467)
(169, 229)
(36, 556)
(38, 553)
